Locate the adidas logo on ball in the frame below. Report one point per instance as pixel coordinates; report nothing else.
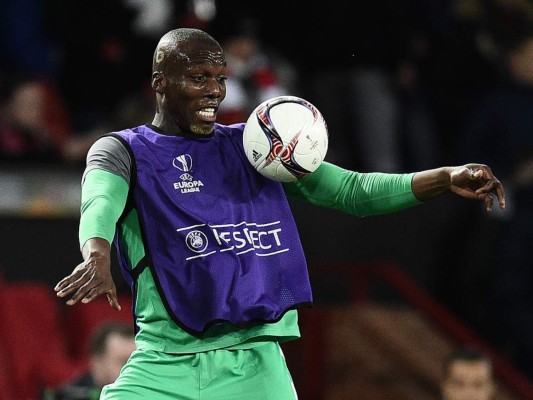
(256, 155)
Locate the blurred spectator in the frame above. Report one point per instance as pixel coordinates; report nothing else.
(376, 109)
(110, 347)
(254, 74)
(468, 375)
(103, 76)
(34, 126)
(378, 100)
(199, 14)
(153, 17)
(500, 133)
(132, 110)
(394, 129)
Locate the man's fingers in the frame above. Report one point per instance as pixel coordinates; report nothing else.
(494, 186)
(486, 188)
(501, 196)
(76, 274)
(497, 189)
(87, 293)
(113, 300)
(83, 287)
(476, 175)
(65, 291)
(66, 282)
(62, 283)
(489, 202)
(91, 295)
(82, 294)
(75, 285)
(487, 185)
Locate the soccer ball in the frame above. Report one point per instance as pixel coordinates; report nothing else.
(285, 138)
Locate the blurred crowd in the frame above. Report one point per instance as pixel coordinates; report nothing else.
(72, 71)
(404, 85)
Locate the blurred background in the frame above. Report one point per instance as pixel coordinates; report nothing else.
(404, 85)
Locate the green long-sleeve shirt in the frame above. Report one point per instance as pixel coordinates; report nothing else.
(104, 197)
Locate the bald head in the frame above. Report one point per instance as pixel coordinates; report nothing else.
(177, 44)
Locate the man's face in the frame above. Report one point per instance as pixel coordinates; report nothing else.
(196, 87)
(468, 380)
(106, 367)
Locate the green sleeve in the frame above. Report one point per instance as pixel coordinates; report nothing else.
(360, 194)
(103, 198)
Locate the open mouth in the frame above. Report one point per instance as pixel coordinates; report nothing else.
(207, 114)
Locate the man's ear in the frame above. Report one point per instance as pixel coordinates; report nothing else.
(159, 82)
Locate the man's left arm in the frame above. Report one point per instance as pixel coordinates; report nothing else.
(360, 194)
(365, 194)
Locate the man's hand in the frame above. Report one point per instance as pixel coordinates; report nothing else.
(92, 277)
(473, 181)
(476, 181)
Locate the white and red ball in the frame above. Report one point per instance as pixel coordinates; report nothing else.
(285, 138)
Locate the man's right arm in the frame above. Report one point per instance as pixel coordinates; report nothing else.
(105, 186)
(104, 195)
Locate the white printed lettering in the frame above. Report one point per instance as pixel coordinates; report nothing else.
(239, 239)
(275, 233)
(261, 243)
(243, 239)
(254, 238)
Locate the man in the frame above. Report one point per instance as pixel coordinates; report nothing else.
(110, 347)
(468, 375)
(210, 309)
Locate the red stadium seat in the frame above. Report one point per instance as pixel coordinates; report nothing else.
(6, 376)
(32, 339)
(6, 384)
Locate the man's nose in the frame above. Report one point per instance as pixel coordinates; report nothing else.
(214, 87)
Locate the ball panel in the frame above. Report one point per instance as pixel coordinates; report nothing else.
(309, 161)
(289, 119)
(283, 174)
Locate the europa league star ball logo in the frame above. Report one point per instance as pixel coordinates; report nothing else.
(196, 241)
(183, 163)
